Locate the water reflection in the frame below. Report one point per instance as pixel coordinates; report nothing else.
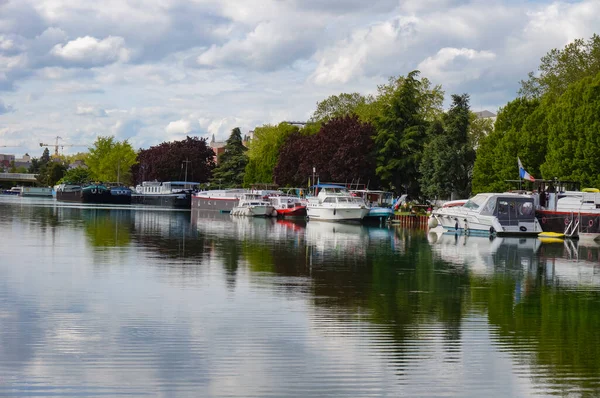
(122, 302)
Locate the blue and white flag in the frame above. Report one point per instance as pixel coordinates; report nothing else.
(522, 173)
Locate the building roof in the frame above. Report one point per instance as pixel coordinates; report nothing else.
(485, 114)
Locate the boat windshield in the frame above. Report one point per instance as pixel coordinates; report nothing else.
(475, 202)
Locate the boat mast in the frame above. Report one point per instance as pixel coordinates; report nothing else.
(186, 161)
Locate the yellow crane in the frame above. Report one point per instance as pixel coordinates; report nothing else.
(57, 145)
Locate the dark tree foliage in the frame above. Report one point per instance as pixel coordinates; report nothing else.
(342, 151)
(401, 134)
(232, 163)
(45, 157)
(293, 167)
(448, 158)
(50, 173)
(166, 161)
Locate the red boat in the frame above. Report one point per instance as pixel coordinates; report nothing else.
(288, 206)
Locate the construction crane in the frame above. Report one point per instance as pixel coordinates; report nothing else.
(57, 145)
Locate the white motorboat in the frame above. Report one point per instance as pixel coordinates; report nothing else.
(489, 214)
(335, 203)
(253, 205)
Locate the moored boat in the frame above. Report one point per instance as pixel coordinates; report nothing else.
(379, 204)
(253, 205)
(288, 206)
(573, 213)
(223, 200)
(92, 193)
(489, 214)
(335, 203)
(172, 194)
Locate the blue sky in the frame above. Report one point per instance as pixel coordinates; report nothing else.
(157, 70)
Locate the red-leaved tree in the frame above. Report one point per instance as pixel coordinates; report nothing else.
(342, 151)
(167, 161)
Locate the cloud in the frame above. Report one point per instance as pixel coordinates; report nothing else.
(179, 127)
(89, 51)
(270, 45)
(457, 65)
(349, 57)
(90, 111)
(5, 108)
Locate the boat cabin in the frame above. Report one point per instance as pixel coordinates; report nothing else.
(508, 208)
(165, 188)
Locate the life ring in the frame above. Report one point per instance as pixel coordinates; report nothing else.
(544, 220)
(591, 222)
(567, 220)
(94, 191)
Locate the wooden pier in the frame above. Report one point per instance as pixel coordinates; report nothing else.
(411, 220)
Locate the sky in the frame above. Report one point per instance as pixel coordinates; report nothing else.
(158, 70)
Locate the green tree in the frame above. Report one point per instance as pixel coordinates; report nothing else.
(45, 157)
(340, 105)
(561, 68)
(51, 173)
(263, 151)
(448, 158)
(401, 133)
(430, 98)
(232, 162)
(497, 153)
(110, 160)
(478, 129)
(77, 175)
(573, 139)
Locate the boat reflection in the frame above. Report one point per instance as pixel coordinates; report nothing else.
(565, 263)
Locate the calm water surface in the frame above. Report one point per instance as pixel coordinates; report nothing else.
(121, 302)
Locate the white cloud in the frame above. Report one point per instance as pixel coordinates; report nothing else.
(348, 58)
(271, 44)
(457, 65)
(90, 51)
(87, 110)
(179, 127)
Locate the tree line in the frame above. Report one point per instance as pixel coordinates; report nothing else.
(400, 139)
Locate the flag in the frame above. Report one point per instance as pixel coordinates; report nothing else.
(522, 173)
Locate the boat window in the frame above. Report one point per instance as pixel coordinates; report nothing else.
(329, 200)
(475, 202)
(525, 208)
(489, 207)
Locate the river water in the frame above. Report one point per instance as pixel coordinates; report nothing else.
(127, 302)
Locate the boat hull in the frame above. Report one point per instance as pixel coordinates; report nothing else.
(224, 205)
(485, 226)
(378, 214)
(336, 214)
(557, 221)
(85, 196)
(295, 212)
(174, 201)
(253, 211)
